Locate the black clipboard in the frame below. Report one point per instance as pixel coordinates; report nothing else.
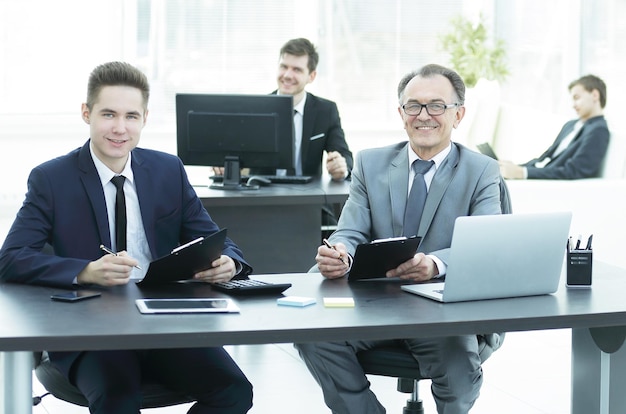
(372, 260)
(185, 261)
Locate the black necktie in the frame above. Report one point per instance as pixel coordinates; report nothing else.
(417, 198)
(120, 213)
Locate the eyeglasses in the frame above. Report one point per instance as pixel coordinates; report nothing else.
(415, 108)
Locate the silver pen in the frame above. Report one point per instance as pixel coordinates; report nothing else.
(109, 251)
(330, 246)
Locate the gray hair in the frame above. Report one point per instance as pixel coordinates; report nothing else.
(430, 71)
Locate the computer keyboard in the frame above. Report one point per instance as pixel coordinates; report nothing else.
(289, 179)
(275, 179)
(250, 287)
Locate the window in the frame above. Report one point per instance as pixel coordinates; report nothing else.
(221, 46)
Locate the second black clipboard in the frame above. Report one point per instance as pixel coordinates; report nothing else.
(372, 260)
(185, 260)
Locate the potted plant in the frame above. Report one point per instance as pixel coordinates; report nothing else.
(481, 62)
(472, 53)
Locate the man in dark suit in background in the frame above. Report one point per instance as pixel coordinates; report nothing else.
(317, 126)
(70, 205)
(580, 148)
(316, 120)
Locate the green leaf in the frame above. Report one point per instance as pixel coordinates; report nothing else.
(472, 53)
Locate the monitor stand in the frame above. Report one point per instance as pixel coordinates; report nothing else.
(232, 177)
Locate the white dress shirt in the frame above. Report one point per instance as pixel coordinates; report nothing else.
(298, 119)
(136, 241)
(428, 178)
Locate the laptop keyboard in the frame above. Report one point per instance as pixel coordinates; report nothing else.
(275, 179)
(289, 179)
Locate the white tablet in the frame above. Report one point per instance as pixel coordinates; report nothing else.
(191, 305)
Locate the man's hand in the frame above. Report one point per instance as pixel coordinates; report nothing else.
(333, 263)
(511, 170)
(220, 171)
(419, 269)
(336, 165)
(222, 270)
(109, 270)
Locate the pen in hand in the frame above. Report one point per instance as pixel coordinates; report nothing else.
(109, 251)
(330, 246)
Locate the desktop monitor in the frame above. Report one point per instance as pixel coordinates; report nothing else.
(236, 131)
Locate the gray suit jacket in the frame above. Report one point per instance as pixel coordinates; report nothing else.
(467, 183)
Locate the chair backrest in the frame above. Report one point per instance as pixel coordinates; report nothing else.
(614, 160)
(154, 395)
(505, 198)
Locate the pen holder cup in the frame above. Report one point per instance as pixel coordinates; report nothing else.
(579, 268)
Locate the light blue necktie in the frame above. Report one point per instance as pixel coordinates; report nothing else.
(417, 198)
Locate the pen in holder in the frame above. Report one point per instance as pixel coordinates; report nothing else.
(579, 264)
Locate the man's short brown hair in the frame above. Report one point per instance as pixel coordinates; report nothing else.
(302, 47)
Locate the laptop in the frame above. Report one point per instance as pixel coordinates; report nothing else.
(486, 149)
(502, 256)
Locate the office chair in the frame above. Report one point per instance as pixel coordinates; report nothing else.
(154, 395)
(399, 363)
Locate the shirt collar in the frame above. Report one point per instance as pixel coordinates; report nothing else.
(438, 159)
(105, 172)
(300, 107)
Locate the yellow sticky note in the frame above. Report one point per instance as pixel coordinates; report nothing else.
(339, 302)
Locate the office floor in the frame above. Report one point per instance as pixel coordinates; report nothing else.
(530, 374)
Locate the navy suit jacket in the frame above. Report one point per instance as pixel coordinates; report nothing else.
(583, 157)
(65, 208)
(321, 131)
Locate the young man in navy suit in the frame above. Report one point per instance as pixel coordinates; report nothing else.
(580, 148)
(70, 205)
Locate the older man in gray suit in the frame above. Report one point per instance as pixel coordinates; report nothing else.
(458, 182)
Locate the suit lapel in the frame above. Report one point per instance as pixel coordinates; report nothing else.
(398, 188)
(93, 187)
(310, 112)
(564, 133)
(571, 146)
(145, 194)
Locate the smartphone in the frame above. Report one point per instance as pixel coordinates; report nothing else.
(75, 295)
